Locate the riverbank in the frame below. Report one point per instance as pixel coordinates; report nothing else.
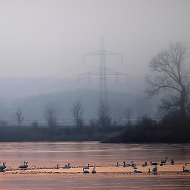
(176, 169)
(148, 133)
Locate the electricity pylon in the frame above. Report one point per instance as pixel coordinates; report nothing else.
(104, 117)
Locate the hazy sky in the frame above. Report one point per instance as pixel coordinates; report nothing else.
(49, 37)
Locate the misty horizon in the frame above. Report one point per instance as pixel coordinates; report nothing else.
(43, 44)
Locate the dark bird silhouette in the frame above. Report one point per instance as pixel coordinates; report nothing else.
(154, 163)
(67, 166)
(164, 161)
(137, 171)
(132, 163)
(155, 170)
(57, 166)
(94, 170)
(2, 167)
(172, 161)
(24, 166)
(145, 164)
(185, 170)
(87, 167)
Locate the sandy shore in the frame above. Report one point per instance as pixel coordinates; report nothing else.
(176, 169)
(108, 177)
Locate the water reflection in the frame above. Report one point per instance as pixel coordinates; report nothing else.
(51, 153)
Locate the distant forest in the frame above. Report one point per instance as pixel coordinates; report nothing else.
(169, 130)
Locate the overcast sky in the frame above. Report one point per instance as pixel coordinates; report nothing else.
(49, 37)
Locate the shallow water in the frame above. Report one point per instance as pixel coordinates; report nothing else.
(48, 154)
(98, 182)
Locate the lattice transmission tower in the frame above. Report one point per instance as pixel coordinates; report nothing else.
(104, 118)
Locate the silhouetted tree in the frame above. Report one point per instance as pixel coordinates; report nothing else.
(77, 112)
(167, 72)
(104, 116)
(3, 123)
(19, 117)
(127, 115)
(51, 117)
(35, 124)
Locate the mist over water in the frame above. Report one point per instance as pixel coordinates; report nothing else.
(43, 43)
(32, 95)
(48, 154)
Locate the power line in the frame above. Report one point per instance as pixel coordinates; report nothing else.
(103, 74)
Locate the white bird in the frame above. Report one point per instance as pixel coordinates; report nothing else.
(185, 170)
(85, 171)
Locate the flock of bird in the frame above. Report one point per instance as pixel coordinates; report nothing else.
(154, 170)
(22, 166)
(155, 164)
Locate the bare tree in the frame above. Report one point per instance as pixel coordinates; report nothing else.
(77, 112)
(104, 116)
(167, 72)
(127, 115)
(51, 117)
(19, 117)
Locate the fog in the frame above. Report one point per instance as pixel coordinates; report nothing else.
(43, 43)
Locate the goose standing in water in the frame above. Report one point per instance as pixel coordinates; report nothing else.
(132, 163)
(2, 167)
(94, 170)
(57, 166)
(154, 163)
(24, 166)
(87, 167)
(85, 171)
(137, 171)
(135, 166)
(155, 170)
(185, 170)
(164, 161)
(145, 164)
(172, 161)
(67, 166)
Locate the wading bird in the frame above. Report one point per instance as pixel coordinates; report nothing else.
(155, 170)
(185, 170)
(137, 171)
(67, 166)
(85, 171)
(2, 167)
(145, 164)
(164, 161)
(24, 166)
(94, 170)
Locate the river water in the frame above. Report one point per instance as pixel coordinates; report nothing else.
(49, 154)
